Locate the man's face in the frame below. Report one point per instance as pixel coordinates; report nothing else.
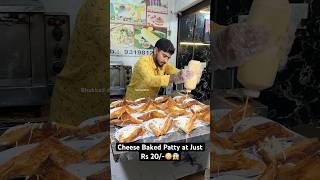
(161, 57)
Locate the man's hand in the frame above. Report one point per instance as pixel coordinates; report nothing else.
(180, 76)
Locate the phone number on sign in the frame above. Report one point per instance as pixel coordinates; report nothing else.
(130, 52)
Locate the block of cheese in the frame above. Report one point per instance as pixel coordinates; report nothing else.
(195, 67)
(260, 70)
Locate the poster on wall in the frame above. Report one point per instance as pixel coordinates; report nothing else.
(146, 37)
(121, 36)
(157, 20)
(136, 25)
(135, 40)
(128, 12)
(157, 6)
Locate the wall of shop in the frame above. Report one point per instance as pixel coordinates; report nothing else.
(71, 7)
(173, 8)
(171, 34)
(181, 5)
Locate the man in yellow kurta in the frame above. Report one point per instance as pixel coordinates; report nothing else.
(153, 71)
(81, 89)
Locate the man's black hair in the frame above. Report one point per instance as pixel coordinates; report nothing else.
(165, 45)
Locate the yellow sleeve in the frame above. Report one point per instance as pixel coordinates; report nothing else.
(87, 67)
(170, 69)
(147, 74)
(215, 27)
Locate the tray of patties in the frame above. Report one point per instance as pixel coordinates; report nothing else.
(249, 146)
(164, 119)
(56, 150)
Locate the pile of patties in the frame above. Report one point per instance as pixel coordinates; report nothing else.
(40, 151)
(158, 116)
(261, 150)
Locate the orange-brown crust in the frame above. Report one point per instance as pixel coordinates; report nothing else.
(220, 141)
(104, 174)
(51, 170)
(205, 116)
(271, 172)
(176, 111)
(300, 150)
(126, 119)
(148, 106)
(181, 99)
(204, 108)
(307, 168)
(231, 118)
(254, 134)
(190, 103)
(116, 114)
(162, 99)
(151, 115)
(39, 132)
(26, 163)
(155, 130)
(133, 135)
(163, 130)
(235, 161)
(99, 152)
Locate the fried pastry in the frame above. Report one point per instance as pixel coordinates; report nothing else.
(99, 152)
(26, 163)
(220, 141)
(13, 137)
(104, 174)
(152, 115)
(204, 116)
(148, 106)
(141, 100)
(129, 133)
(290, 153)
(270, 173)
(32, 133)
(180, 99)
(305, 169)
(162, 99)
(254, 134)
(160, 127)
(169, 103)
(230, 119)
(234, 161)
(116, 113)
(300, 150)
(122, 102)
(199, 108)
(100, 126)
(125, 119)
(51, 170)
(188, 102)
(47, 130)
(186, 123)
(117, 103)
(176, 111)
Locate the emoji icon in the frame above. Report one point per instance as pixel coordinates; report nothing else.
(175, 156)
(168, 156)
